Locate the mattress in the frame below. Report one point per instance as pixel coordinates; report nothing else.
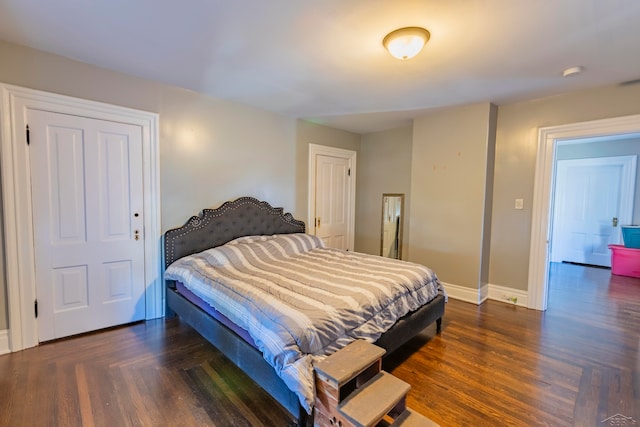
(194, 299)
(300, 301)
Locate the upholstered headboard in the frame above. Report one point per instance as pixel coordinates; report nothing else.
(245, 216)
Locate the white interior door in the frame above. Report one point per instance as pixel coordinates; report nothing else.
(589, 208)
(87, 196)
(332, 201)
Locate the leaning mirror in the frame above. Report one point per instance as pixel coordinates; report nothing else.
(392, 216)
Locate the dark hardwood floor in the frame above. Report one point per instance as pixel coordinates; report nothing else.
(578, 364)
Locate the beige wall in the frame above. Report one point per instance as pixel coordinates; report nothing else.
(516, 145)
(384, 166)
(210, 150)
(448, 192)
(485, 249)
(213, 150)
(508, 229)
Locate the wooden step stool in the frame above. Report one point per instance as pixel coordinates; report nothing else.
(353, 391)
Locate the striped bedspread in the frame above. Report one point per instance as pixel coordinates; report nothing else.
(301, 301)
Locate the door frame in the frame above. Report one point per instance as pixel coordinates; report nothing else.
(323, 150)
(544, 182)
(17, 208)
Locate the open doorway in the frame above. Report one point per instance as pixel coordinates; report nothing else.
(594, 194)
(616, 129)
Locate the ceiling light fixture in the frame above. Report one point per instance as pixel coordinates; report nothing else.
(572, 71)
(405, 43)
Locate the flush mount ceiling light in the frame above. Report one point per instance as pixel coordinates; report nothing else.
(405, 43)
(572, 71)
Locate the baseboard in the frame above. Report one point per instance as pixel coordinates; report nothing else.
(487, 291)
(508, 295)
(462, 293)
(4, 342)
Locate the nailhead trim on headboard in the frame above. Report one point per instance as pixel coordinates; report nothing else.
(245, 216)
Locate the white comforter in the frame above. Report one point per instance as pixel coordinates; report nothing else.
(301, 301)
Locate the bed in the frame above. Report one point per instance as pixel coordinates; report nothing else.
(239, 225)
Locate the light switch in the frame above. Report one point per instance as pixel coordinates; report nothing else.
(519, 203)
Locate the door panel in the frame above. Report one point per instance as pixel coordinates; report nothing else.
(115, 181)
(118, 279)
(87, 190)
(65, 179)
(71, 288)
(332, 201)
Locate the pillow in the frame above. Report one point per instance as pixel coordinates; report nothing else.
(250, 239)
(289, 243)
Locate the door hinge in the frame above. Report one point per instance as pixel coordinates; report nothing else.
(28, 137)
(349, 172)
(35, 308)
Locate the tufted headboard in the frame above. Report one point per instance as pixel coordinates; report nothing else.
(245, 216)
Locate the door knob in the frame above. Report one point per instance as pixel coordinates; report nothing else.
(614, 222)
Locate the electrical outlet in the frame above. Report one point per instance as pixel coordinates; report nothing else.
(511, 299)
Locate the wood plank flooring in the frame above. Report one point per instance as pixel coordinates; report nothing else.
(156, 373)
(577, 364)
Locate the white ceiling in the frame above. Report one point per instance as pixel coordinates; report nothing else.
(323, 60)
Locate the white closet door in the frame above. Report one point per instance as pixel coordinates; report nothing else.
(87, 196)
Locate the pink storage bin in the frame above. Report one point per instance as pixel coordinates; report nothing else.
(625, 261)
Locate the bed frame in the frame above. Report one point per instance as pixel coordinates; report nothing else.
(248, 216)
